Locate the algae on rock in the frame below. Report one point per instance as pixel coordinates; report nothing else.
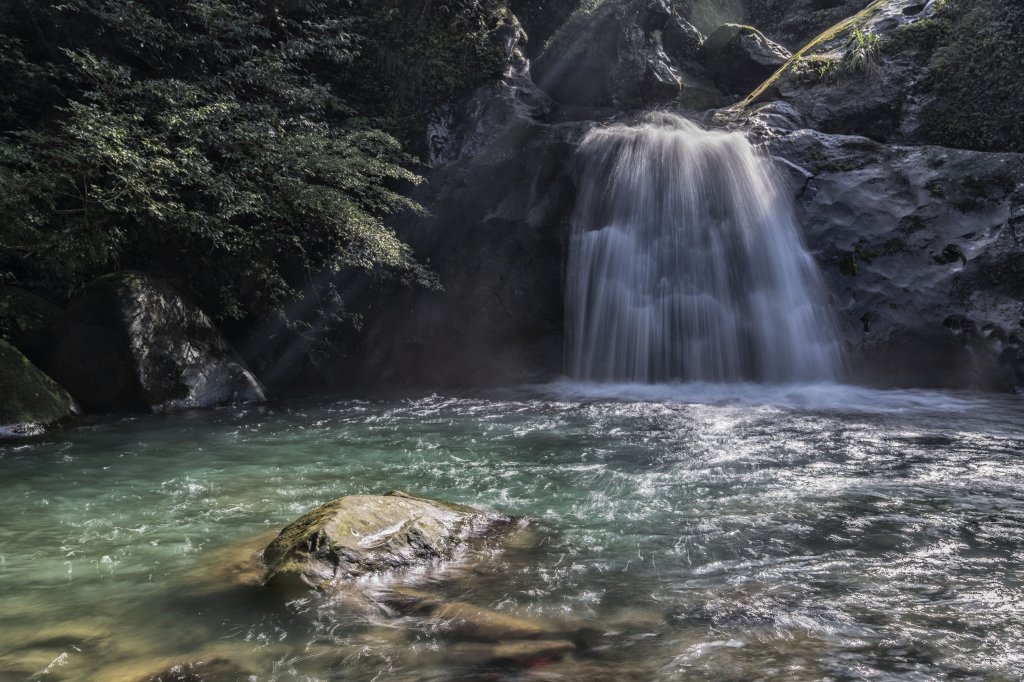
(359, 535)
(29, 400)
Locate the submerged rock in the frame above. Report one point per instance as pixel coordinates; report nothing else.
(517, 652)
(464, 621)
(363, 535)
(130, 342)
(29, 399)
(209, 670)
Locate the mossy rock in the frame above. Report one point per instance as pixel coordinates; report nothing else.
(29, 399)
(359, 535)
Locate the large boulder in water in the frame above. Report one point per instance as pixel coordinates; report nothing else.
(627, 54)
(362, 535)
(130, 342)
(29, 400)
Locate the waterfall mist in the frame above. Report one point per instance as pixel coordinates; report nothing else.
(686, 264)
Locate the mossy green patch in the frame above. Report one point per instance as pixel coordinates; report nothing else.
(27, 396)
(977, 76)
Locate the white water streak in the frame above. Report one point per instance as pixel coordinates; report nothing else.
(686, 264)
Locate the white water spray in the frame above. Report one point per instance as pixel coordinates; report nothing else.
(686, 264)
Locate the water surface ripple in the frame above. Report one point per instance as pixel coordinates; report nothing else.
(819, 533)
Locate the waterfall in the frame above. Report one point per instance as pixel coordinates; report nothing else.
(686, 264)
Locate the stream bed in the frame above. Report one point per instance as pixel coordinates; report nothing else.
(705, 532)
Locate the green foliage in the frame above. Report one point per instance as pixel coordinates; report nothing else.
(862, 54)
(203, 140)
(861, 57)
(421, 54)
(921, 37)
(978, 76)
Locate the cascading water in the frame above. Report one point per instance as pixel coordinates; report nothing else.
(686, 264)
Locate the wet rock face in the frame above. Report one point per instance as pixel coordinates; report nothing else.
(361, 535)
(794, 22)
(502, 194)
(919, 244)
(541, 18)
(872, 89)
(921, 248)
(29, 400)
(130, 342)
(627, 54)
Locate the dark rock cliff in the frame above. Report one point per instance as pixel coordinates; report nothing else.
(920, 244)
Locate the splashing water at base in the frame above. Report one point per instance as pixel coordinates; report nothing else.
(686, 264)
(705, 534)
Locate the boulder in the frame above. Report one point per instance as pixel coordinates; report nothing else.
(362, 535)
(740, 58)
(921, 248)
(29, 400)
(130, 342)
(30, 322)
(627, 54)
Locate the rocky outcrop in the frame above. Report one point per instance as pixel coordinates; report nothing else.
(627, 54)
(502, 197)
(920, 247)
(858, 83)
(362, 535)
(29, 400)
(541, 18)
(794, 22)
(919, 244)
(739, 58)
(130, 342)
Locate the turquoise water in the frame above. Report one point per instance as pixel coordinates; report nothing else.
(712, 533)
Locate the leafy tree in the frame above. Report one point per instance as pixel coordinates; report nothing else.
(209, 141)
